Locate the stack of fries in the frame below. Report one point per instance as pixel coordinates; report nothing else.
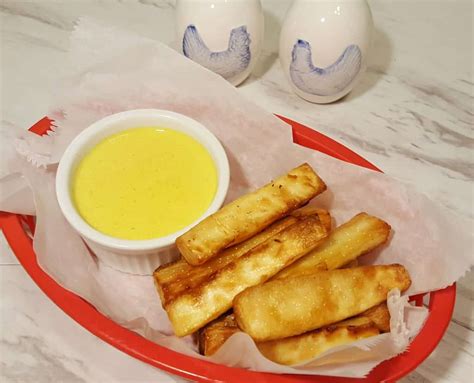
(265, 265)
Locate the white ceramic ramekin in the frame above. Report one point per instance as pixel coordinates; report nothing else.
(134, 256)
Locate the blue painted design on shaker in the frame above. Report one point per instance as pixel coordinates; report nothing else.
(323, 81)
(228, 63)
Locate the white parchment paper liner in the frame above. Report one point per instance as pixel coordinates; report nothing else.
(114, 71)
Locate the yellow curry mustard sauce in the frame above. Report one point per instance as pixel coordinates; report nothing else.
(144, 183)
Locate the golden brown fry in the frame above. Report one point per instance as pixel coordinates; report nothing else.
(176, 278)
(302, 348)
(214, 335)
(380, 316)
(323, 215)
(249, 214)
(286, 307)
(358, 236)
(292, 350)
(192, 310)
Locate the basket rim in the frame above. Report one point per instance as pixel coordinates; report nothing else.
(441, 303)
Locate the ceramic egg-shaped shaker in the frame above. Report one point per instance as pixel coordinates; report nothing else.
(224, 36)
(324, 46)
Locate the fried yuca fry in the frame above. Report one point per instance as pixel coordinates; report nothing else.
(178, 277)
(324, 215)
(358, 236)
(214, 335)
(286, 307)
(380, 316)
(249, 214)
(292, 350)
(192, 310)
(300, 348)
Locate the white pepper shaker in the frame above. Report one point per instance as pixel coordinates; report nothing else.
(224, 36)
(324, 46)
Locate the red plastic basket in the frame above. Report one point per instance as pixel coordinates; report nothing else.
(441, 303)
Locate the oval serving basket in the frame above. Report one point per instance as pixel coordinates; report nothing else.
(441, 302)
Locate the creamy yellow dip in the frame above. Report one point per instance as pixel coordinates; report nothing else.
(144, 183)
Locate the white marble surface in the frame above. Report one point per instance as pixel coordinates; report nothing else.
(411, 115)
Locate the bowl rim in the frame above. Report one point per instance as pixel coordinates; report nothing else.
(78, 147)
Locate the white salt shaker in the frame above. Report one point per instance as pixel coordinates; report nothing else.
(224, 36)
(324, 46)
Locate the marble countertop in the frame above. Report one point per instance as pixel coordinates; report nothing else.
(411, 115)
